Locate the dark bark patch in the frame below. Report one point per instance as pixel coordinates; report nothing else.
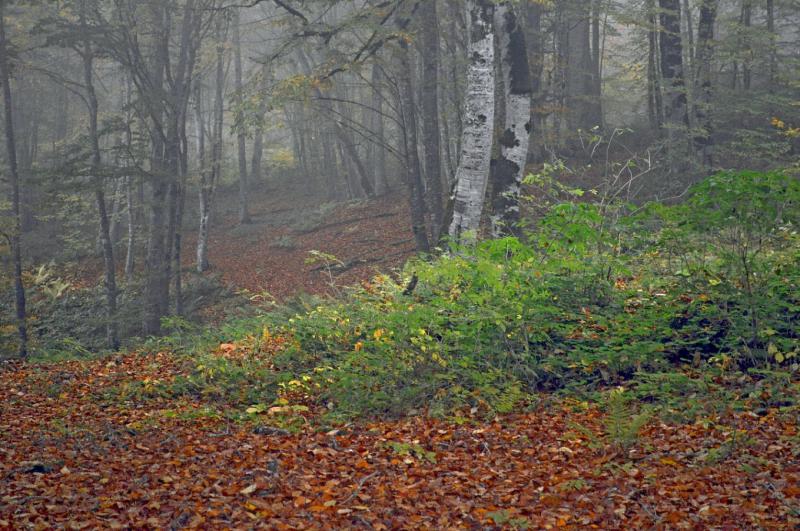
(504, 174)
(517, 56)
(508, 139)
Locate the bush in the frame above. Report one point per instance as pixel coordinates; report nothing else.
(593, 300)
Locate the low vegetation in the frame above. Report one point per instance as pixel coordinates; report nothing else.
(674, 303)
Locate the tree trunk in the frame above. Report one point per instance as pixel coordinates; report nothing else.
(703, 139)
(208, 179)
(747, 22)
(256, 172)
(672, 73)
(87, 54)
(244, 213)
(773, 48)
(472, 173)
(655, 104)
(535, 44)
(132, 207)
(168, 116)
(416, 199)
(582, 113)
(11, 158)
(343, 136)
(597, 66)
(430, 113)
(509, 168)
(377, 152)
(131, 219)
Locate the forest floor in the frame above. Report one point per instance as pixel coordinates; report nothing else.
(78, 449)
(272, 253)
(97, 444)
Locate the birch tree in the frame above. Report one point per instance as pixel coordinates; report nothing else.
(514, 140)
(472, 174)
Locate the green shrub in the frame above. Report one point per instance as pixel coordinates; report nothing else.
(601, 295)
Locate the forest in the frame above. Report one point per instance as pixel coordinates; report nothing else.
(400, 264)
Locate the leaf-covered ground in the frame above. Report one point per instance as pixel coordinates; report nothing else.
(271, 253)
(75, 452)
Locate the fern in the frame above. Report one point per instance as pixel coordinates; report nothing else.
(622, 426)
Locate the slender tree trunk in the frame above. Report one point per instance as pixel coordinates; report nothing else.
(115, 212)
(11, 158)
(256, 172)
(131, 219)
(472, 174)
(377, 152)
(129, 193)
(747, 22)
(582, 113)
(561, 44)
(244, 214)
(156, 289)
(595, 63)
(208, 179)
(343, 135)
(180, 208)
(26, 124)
(509, 168)
(413, 168)
(655, 104)
(535, 42)
(672, 72)
(87, 54)
(330, 162)
(703, 138)
(773, 48)
(430, 113)
(689, 53)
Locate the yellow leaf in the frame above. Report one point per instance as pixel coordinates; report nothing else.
(249, 490)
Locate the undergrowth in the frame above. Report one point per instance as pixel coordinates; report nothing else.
(692, 308)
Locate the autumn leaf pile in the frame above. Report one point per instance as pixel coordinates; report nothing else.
(73, 455)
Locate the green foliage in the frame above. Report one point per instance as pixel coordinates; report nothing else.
(412, 450)
(601, 295)
(733, 247)
(591, 301)
(622, 424)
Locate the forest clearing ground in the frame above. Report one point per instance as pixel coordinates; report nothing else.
(76, 452)
(271, 253)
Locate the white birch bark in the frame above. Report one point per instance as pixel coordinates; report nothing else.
(515, 138)
(472, 174)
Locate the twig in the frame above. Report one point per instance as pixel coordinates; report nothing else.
(359, 486)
